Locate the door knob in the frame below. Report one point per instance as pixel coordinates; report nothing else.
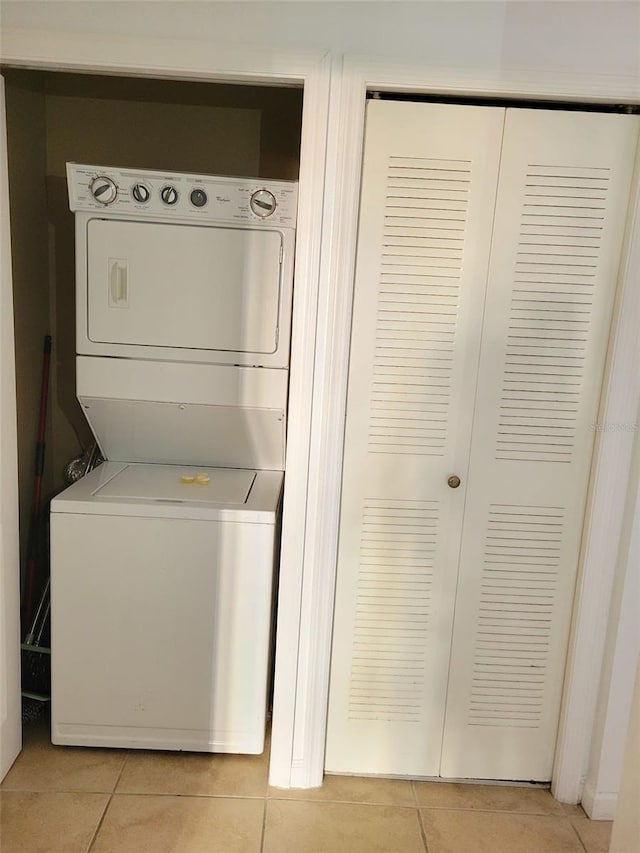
(454, 481)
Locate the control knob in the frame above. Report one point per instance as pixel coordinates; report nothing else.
(263, 203)
(198, 197)
(103, 189)
(169, 194)
(141, 193)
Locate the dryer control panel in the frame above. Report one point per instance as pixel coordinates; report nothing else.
(179, 196)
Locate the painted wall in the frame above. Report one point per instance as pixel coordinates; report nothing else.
(26, 145)
(620, 662)
(561, 35)
(626, 827)
(10, 728)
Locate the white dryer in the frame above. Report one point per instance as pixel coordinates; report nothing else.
(188, 268)
(163, 559)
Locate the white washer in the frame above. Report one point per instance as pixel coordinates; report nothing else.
(163, 559)
(162, 600)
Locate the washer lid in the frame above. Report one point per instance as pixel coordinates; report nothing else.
(179, 484)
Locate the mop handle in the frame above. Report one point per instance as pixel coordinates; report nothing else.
(44, 597)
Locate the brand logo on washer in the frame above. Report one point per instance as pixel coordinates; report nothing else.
(223, 198)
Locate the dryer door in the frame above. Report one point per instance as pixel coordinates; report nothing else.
(153, 285)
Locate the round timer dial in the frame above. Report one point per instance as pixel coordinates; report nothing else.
(141, 193)
(263, 203)
(103, 189)
(169, 194)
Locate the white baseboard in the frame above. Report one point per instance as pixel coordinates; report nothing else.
(599, 805)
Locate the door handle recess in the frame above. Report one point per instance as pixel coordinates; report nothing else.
(118, 283)
(453, 481)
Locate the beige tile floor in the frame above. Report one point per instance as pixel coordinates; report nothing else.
(75, 800)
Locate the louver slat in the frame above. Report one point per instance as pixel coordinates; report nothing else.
(515, 613)
(393, 610)
(418, 297)
(556, 268)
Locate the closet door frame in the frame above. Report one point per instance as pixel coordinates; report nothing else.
(185, 59)
(621, 388)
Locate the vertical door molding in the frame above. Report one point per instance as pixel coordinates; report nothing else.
(604, 518)
(622, 651)
(346, 123)
(342, 191)
(294, 636)
(207, 61)
(10, 700)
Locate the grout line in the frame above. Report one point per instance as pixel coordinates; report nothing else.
(264, 825)
(486, 810)
(106, 808)
(423, 831)
(100, 822)
(419, 814)
(124, 764)
(580, 841)
(416, 805)
(187, 796)
(375, 803)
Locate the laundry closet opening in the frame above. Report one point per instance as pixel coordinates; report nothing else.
(134, 123)
(489, 241)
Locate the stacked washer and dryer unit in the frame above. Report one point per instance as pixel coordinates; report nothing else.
(163, 558)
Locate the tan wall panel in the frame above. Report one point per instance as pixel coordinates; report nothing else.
(177, 137)
(27, 154)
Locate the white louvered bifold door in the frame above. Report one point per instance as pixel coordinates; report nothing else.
(453, 605)
(560, 217)
(429, 184)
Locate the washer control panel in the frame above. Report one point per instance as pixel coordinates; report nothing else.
(172, 195)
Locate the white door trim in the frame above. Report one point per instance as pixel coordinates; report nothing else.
(10, 698)
(604, 518)
(603, 530)
(201, 60)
